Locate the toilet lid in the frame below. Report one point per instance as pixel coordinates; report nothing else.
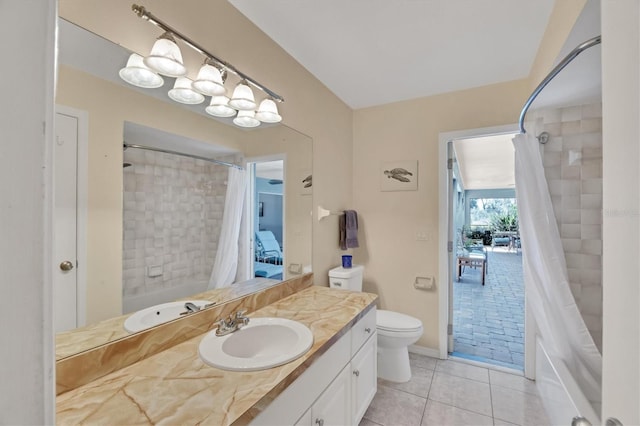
(395, 321)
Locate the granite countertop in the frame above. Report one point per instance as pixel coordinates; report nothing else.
(176, 387)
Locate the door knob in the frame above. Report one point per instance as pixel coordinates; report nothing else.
(66, 266)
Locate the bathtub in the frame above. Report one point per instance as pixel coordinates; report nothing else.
(138, 302)
(562, 397)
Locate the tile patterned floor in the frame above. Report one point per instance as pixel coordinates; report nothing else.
(488, 321)
(453, 393)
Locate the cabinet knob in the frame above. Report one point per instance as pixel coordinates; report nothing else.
(368, 330)
(356, 373)
(320, 422)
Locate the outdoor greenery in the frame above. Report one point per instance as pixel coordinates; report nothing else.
(505, 221)
(496, 214)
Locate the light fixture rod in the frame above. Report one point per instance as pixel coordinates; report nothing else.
(148, 16)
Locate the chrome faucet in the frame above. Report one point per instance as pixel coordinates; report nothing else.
(232, 323)
(191, 308)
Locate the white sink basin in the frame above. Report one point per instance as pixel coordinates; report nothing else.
(159, 314)
(263, 343)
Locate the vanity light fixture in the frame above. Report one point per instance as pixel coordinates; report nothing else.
(140, 75)
(268, 112)
(246, 118)
(219, 107)
(210, 81)
(166, 59)
(242, 98)
(182, 92)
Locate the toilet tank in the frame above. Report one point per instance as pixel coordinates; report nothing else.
(346, 278)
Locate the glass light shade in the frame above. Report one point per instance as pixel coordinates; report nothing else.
(268, 112)
(209, 81)
(165, 58)
(242, 98)
(219, 107)
(183, 93)
(138, 74)
(246, 119)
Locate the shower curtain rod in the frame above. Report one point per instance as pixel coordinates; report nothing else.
(567, 59)
(166, 151)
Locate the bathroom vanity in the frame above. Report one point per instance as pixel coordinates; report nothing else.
(337, 376)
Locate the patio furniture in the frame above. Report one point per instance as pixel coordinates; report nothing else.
(473, 259)
(268, 248)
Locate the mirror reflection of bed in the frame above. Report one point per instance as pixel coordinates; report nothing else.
(268, 218)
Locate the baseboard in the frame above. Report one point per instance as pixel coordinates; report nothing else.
(423, 350)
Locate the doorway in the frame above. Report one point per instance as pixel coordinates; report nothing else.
(267, 217)
(485, 306)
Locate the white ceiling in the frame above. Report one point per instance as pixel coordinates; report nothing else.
(373, 52)
(487, 162)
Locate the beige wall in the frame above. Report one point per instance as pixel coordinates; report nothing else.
(309, 106)
(389, 221)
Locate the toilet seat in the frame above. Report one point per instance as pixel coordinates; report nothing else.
(396, 322)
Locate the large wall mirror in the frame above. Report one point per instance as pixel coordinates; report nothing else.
(152, 179)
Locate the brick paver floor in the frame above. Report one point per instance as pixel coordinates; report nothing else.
(488, 321)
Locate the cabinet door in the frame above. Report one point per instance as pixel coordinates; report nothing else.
(305, 420)
(364, 380)
(333, 407)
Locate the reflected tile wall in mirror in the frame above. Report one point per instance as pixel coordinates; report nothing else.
(173, 209)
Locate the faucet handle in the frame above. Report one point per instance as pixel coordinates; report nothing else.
(241, 313)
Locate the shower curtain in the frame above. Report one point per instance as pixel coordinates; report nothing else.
(226, 263)
(549, 297)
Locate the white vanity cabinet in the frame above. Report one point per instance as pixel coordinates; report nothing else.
(364, 378)
(337, 388)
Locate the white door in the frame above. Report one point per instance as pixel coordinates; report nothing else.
(65, 223)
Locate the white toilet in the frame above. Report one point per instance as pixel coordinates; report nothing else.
(396, 331)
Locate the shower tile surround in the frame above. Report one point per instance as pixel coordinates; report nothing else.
(573, 167)
(173, 208)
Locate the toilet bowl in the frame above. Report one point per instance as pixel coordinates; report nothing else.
(396, 331)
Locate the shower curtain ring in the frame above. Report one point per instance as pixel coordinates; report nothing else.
(543, 137)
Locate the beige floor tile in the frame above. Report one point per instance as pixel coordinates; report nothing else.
(391, 407)
(460, 369)
(419, 384)
(422, 361)
(517, 407)
(462, 393)
(512, 381)
(498, 422)
(437, 414)
(367, 422)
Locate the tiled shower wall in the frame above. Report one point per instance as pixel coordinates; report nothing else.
(173, 208)
(573, 168)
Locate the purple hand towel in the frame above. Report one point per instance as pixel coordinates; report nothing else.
(348, 227)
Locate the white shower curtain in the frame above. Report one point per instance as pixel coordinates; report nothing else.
(226, 263)
(549, 297)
